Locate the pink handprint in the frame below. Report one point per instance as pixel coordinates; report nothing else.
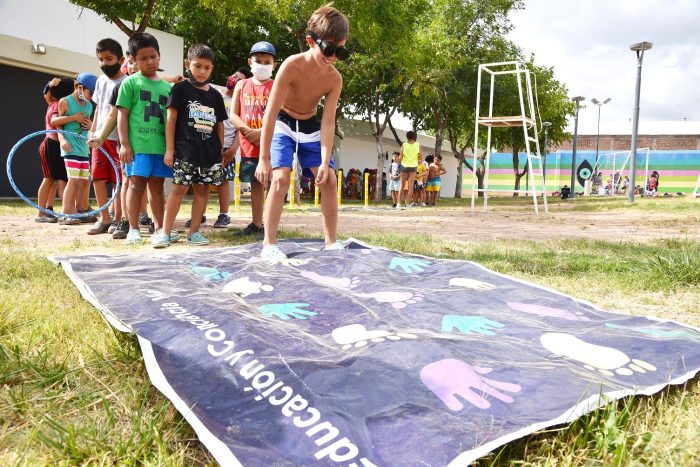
(541, 310)
(450, 378)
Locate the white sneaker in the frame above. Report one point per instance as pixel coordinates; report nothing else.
(133, 237)
(337, 245)
(422, 205)
(272, 253)
(398, 207)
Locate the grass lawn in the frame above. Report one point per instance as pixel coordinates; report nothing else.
(74, 391)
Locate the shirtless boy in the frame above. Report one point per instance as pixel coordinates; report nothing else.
(290, 125)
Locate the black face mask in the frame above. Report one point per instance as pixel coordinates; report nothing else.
(194, 82)
(111, 70)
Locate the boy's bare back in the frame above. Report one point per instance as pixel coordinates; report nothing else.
(305, 83)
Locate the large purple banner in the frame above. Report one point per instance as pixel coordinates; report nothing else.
(366, 356)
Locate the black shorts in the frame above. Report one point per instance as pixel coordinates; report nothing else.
(56, 168)
(409, 169)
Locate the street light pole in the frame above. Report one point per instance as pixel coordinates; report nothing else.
(597, 139)
(578, 100)
(639, 48)
(546, 126)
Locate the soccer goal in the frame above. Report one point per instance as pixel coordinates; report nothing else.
(612, 171)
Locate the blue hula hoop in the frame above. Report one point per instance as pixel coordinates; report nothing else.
(44, 210)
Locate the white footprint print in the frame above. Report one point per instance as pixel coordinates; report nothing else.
(397, 299)
(338, 282)
(473, 284)
(594, 357)
(243, 286)
(358, 336)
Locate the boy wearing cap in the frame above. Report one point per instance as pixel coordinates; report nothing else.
(231, 145)
(72, 116)
(250, 98)
(290, 125)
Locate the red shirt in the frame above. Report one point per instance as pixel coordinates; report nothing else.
(253, 102)
(50, 111)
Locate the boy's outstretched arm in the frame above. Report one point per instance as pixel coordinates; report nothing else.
(107, 129)
(274, 104)
(169, 157)
(328, 130)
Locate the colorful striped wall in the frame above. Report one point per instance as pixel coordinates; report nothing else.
(678, 170)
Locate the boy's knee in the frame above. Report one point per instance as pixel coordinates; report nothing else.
(280, 182)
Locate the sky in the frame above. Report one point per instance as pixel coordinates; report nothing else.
(587, 42)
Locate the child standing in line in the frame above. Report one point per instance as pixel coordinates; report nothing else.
(395, 178)
(72, 116)
(250, 99)
(409, 159)
(290, 125)
(141, 125)
(435, 170)
(111, 57)
(194, 138)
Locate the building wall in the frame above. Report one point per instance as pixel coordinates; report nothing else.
(360, 152)
(624, 142)
(70, 34)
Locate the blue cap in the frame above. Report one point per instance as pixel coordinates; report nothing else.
(263, 47)
(87, 80)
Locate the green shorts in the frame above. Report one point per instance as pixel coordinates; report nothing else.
(248, 166)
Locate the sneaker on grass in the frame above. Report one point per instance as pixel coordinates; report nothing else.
(252, 229)
(197, 239)
(174, 236)
(99, 228)
(112, 227)
(222, 221)
(133, 237)
(160, 240)
(189, 221)
(122, 230)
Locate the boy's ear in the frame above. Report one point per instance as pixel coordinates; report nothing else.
(187, 64)
(121, 60)
(250, 61)
(310, 41)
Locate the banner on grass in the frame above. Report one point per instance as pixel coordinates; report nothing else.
(366, 356)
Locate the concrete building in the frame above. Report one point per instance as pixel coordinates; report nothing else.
(39, 40)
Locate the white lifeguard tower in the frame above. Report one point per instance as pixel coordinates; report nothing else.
(527, 120)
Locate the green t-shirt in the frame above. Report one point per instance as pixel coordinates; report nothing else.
(146, 101)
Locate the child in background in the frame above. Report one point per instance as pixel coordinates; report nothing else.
(73, 111)
(141, 125)
(250, 99)
(419, 184)
(52, 166)
(290, 125)
(111, 57)
(194, 137)
(395, 178)
(435, 170)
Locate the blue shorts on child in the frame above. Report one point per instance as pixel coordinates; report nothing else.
(148, 165)
(302, 136)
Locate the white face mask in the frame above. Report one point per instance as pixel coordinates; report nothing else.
(260, 71)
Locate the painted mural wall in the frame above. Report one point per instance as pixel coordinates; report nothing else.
(678, 170)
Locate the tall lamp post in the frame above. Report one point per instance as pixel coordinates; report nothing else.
(578, 100)
(639, 48)
(597, 139)
(546, 126)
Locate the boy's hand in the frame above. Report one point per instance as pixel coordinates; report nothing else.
(126, 154)
(65, 145)
(86, 123)
(95, 142)
(169, 158)
(78, 117)
(253, 137)
(262, 173)
(227, 157)
(322, 174)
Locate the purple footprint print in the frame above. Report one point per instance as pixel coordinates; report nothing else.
(541, 310)
(450, 378)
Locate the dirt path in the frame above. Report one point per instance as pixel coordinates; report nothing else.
(447, 224)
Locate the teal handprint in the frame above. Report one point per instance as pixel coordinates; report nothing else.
(470, 324)
(409, 265)
(286, 310)
(210, 274)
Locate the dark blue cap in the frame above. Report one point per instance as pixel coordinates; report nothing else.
(263, 47)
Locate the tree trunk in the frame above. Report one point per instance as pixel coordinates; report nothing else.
(458, 186)
(517, 172)
(380, 169)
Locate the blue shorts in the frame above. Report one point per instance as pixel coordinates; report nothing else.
(148, 165)
(290, 132)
